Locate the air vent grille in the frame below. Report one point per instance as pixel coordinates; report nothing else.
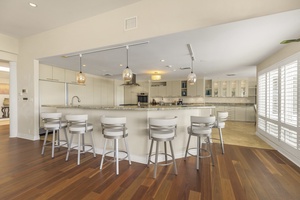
(130, 23)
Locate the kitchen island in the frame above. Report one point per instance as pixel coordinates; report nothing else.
(137, 124)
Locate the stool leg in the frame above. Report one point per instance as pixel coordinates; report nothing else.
(165, 144)
(117, 156)
(221, 140)
(82, 142)
(92, 141)
(187, 147)
(69, 148)
(78, 150)
(53, 143)
(45, 141)
(198, 152)
(58, 138)
(211, 153)
(66, 136)
(127, 149)
(173, 157)
(149, 157)
(156, 159)
(103, 155)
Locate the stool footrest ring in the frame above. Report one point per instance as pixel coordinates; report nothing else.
(168, 162)
(113, 159)
(201, 149)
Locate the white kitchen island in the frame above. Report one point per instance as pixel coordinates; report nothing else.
(137, 124)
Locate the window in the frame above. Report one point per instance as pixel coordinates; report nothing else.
(278, 104)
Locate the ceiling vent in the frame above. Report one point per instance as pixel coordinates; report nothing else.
(184, 68)
(130, 23)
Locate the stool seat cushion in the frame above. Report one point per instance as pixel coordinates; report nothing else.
(80, 128)
(55, 125)
(114, 132)
(204, 131)
(166, 134)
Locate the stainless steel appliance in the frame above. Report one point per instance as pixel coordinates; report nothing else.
(142, 98)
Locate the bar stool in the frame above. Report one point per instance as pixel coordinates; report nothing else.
(200, 127)
(77, 124)
(52, 122)
(114, 128)
(162, 129)
(219, 124)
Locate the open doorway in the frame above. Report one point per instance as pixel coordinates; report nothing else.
(4, 93)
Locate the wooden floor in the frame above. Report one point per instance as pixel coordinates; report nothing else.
(241, 173)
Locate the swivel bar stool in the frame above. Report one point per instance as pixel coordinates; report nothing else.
(52, 122)
(219, 124)
(201, 127)
(79, 126)
(114, 128)
(162, 130)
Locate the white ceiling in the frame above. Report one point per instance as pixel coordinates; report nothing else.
(235, 47)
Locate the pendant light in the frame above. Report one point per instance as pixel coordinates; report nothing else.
(80, 77)
(192, 78)
(127, 73)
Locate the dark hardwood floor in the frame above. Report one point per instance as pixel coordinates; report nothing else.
(242, 173)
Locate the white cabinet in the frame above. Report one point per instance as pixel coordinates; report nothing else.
(70, 76)
(196, 90)
(240, 113)
(233, 85)
(51, 73)
(208, 88)
(173, 89)
(250, 114)
(243, 88)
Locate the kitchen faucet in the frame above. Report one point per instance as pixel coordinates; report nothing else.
(73, 99)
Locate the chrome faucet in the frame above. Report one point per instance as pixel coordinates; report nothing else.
(73, 99)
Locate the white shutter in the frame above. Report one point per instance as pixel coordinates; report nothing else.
(272, 94)
(261, 124)
(272, 129)
(289, 137)
(262, 95)
(289, 94)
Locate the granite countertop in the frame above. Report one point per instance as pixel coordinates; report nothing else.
(143, 107)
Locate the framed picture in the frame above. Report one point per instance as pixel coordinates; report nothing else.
(4, 88)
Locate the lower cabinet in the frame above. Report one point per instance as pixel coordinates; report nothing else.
(238, 113)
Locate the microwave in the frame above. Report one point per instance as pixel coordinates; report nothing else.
(142, 98)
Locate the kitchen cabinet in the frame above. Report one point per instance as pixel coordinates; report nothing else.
(51, 73)
(240, 113)
(196, 90)
(250, 114)
(70, 76)
(243, 88)
(233, 84)
(158, 91)
(208, 88)
(173, 89)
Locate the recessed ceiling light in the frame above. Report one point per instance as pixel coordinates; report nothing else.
(83, 65)
(121, 65)
(32, 4)
(169, 66)
(162, 60)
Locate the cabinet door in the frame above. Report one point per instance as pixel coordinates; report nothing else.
(162, 91)
(58, 74)
(176, 88)
(70, 76)
(215, 88)
(169, 88)
(45, 72)
(243, 88)
(192, 90)
(240, 113)
(231, 113)
(223, 89)
(154, 91)
(250, 114)
(200, 88)
(233, 88)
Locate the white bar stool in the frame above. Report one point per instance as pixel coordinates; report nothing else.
(162, 129)
(77, 124)
(200, 127)
(219, 124)
(114, 128)
(52, 122)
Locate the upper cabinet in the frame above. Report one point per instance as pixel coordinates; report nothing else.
(173, 89)
(196, 90)
(51, 73)
(229, 88)
(70, 76)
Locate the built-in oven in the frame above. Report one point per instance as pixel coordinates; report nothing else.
(142, 97)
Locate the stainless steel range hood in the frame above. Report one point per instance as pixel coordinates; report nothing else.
(132, 82)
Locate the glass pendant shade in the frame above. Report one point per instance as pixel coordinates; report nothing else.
(80, 77)
(156, 77)
(127, 74)
(192, 78)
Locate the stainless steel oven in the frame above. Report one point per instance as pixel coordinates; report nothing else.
(142, 97)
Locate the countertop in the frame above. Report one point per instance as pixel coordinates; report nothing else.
(142, 107)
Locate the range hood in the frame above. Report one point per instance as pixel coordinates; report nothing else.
(132, 82)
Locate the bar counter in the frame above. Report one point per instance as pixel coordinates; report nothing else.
(137, 124)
